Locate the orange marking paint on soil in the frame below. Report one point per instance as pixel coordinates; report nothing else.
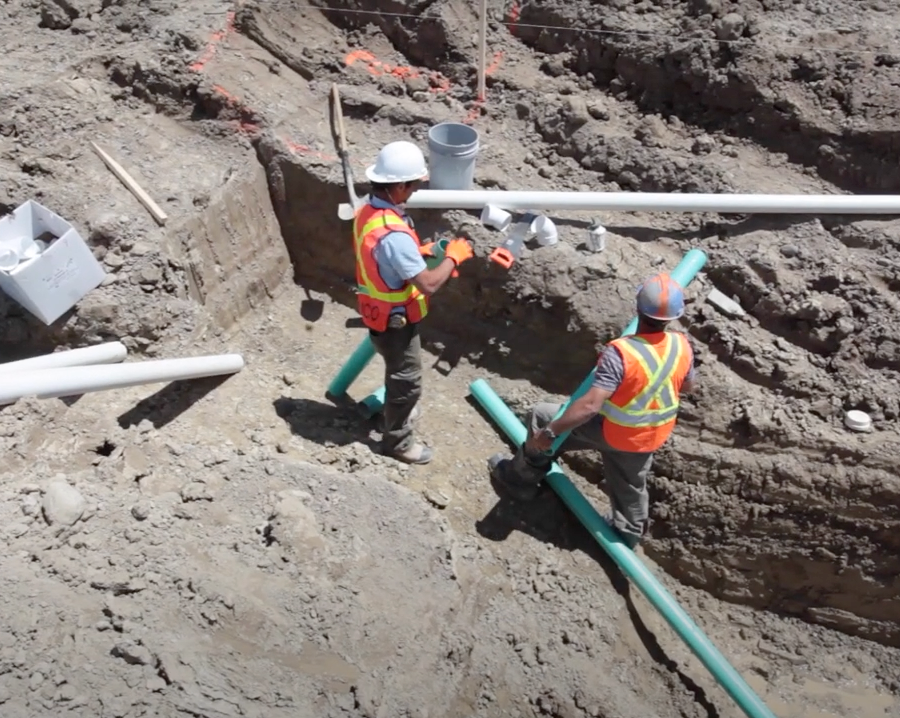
(377, 68)
(474, 113)
(232, 99)
(495, 63)
(213, 43)
(307, 150)
(243, 126)
(515, 13)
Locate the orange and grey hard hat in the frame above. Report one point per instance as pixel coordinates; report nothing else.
(661, 297)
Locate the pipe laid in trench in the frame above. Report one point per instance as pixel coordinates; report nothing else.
(108, 353)
(657, 202)
(724, 673)
(611, 542)
(352, 368)
(688, 268)
(73, 381)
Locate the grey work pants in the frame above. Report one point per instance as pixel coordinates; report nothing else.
(401, 350)
(625, 472)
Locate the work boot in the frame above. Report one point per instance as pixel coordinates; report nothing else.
(502, 475)
(415, 454)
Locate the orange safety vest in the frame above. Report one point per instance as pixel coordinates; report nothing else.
(374, 298)
(640, 415)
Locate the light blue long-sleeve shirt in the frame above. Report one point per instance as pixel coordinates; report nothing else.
(396, 254)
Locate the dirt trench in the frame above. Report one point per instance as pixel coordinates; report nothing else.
(761, 499)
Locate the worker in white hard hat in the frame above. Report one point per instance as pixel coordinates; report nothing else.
(393, 289)
(628, 413)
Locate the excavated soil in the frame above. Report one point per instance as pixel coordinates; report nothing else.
(233, 547)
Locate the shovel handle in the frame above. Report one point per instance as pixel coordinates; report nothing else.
(338, 118)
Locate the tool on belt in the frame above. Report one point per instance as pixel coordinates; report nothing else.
(511, 249)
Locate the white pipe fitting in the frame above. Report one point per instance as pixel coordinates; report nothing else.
(492, 216)
(545, 231)
(9, 259)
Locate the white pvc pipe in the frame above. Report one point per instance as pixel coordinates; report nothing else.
(109, 353)
(72, 381)
(658, 202)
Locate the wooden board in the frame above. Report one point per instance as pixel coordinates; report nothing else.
(133, 187)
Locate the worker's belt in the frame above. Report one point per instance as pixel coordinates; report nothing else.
(397, 321)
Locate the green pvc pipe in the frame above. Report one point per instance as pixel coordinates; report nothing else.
(373, 403)
(437, 253)
(352, 368)
(631, 565)
(688, 268)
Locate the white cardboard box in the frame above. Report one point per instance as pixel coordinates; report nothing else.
(52, 283)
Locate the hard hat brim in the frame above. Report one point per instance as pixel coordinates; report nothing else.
(373, 176)
(661, 318)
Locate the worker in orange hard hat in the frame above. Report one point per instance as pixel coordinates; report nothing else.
(628, 413)
(394, 285)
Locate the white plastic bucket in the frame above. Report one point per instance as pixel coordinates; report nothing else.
(452, 150)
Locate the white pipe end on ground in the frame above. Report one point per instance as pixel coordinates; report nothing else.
(73, 381)
(108, 353)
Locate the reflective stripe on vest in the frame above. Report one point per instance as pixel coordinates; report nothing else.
(657, 403)
(390, 221)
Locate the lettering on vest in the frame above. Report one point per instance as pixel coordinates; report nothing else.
(369, 311)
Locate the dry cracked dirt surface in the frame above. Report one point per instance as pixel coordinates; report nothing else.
(233, 547)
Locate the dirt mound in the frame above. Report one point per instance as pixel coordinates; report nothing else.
(815, 82)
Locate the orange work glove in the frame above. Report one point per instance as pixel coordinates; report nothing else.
(459, 250)
(427, 250)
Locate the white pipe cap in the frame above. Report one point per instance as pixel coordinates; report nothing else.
(858, 420)
(9, 259)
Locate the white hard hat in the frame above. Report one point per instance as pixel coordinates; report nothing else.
(398, 162)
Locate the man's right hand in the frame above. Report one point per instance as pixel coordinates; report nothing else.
(459, 250)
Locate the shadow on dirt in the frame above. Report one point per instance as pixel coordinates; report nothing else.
(170, 402)
(325, 423)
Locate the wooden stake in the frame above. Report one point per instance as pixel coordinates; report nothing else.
(482, 52)
(132, 186)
